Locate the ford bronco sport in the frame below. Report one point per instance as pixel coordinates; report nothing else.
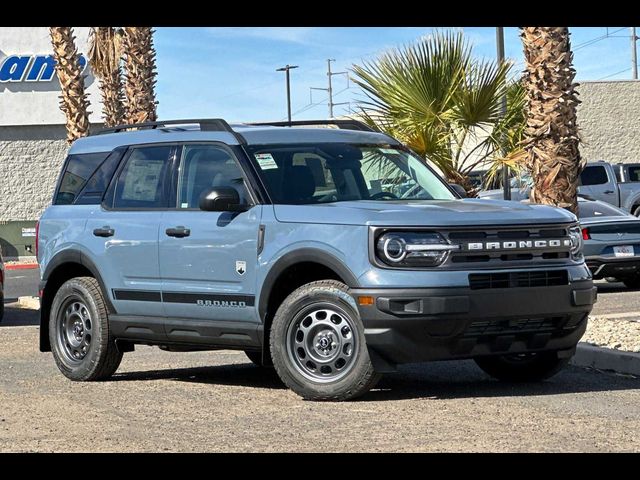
(331, 254)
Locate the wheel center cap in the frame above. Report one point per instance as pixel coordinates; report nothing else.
(324, 343)
(78, 330)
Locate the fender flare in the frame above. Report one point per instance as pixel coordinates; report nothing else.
(299, 256)
(630, 202)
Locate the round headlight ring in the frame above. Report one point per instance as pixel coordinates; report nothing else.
(395, 249)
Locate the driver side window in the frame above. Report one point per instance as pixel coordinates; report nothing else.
(203, 167)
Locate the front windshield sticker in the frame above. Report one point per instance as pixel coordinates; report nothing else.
(266, 161)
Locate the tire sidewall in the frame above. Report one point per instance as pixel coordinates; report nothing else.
(86, 367)
(287, 313)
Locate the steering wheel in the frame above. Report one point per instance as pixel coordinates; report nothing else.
(378, 195)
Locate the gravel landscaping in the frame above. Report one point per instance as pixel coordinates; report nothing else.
(615, 333)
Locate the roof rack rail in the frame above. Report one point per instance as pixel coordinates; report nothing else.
(341, 124)
(206, 125)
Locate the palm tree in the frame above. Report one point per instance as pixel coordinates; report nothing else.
(73, 101)
(105, 51)
(551, 135)
(140, 65)
(435, 97)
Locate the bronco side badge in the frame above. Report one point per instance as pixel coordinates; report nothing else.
(241, 267)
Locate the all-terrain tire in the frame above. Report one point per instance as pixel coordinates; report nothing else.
(89, 316)
(531, 367)
(358, 378)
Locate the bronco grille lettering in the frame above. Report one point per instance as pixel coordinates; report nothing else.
(521, 244)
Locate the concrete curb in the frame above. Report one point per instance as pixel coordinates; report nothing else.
(20, 266)
(607, 359)
(29, 303)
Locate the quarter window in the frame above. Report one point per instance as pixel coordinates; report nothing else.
(79, 169)
(141, 183)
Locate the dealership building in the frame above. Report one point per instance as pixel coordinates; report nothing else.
(32, 131)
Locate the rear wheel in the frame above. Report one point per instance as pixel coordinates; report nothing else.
(79, 332)
(526, 367)
(636, 210)
(318, 346)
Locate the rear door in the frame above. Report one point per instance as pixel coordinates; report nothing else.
(209, 270)
(122, 233)
(598, 182)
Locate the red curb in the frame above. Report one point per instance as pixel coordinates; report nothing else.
(21, 266)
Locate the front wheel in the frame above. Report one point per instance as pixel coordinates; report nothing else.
(318, 346)
(525, 367)
(79, 332)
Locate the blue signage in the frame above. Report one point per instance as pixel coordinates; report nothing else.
(31, 68)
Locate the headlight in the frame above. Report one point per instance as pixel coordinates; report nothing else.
(575, 235)
(413, 249)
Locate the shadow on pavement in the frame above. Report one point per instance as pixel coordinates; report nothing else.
(617, 287)
(463, 379)
(18, 317)
(438, 380)
(242, 375)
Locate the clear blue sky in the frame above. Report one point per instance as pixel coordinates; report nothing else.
(230, 72)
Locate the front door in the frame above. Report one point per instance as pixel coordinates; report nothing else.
(208, 260)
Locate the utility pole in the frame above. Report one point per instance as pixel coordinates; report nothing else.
(286, 70)
(329, 89)
(506, 185)
(634, 57)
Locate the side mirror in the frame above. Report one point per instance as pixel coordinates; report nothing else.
(459, 190)
(221, 199)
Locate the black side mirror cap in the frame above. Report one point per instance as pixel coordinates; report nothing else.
(458, 189)
(221, 199)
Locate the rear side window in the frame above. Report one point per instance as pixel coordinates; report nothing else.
(594, 176)
(79, 168)
(142, 181)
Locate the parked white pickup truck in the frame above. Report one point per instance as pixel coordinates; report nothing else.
(618, 185)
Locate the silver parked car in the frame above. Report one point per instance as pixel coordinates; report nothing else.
(611, 241)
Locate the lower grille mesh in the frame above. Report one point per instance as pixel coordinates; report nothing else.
(544, 278)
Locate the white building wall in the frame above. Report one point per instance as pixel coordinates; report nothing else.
(609, 120)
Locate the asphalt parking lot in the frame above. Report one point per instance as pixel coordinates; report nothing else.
(218, 401)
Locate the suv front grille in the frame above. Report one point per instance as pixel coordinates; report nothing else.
(508, 247)
(540, 278)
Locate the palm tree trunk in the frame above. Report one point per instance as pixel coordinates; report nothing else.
(104, 56)
(73, 101)
(551, 135)
(140, 75)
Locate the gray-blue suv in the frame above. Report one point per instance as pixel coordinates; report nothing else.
(324, 249)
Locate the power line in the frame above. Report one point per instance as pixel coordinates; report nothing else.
(617, 73)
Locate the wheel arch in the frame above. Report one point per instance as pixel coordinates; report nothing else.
(64, 266)
(293, 270)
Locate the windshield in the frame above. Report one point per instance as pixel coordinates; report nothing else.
(337, 172)
(588, 209)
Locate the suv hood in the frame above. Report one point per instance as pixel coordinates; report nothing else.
(437, 213)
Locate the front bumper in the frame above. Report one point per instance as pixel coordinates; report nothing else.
(414, 325)
(607, 266)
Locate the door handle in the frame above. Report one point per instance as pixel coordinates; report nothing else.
(104, 232)
(178, 232)
(608, 191)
